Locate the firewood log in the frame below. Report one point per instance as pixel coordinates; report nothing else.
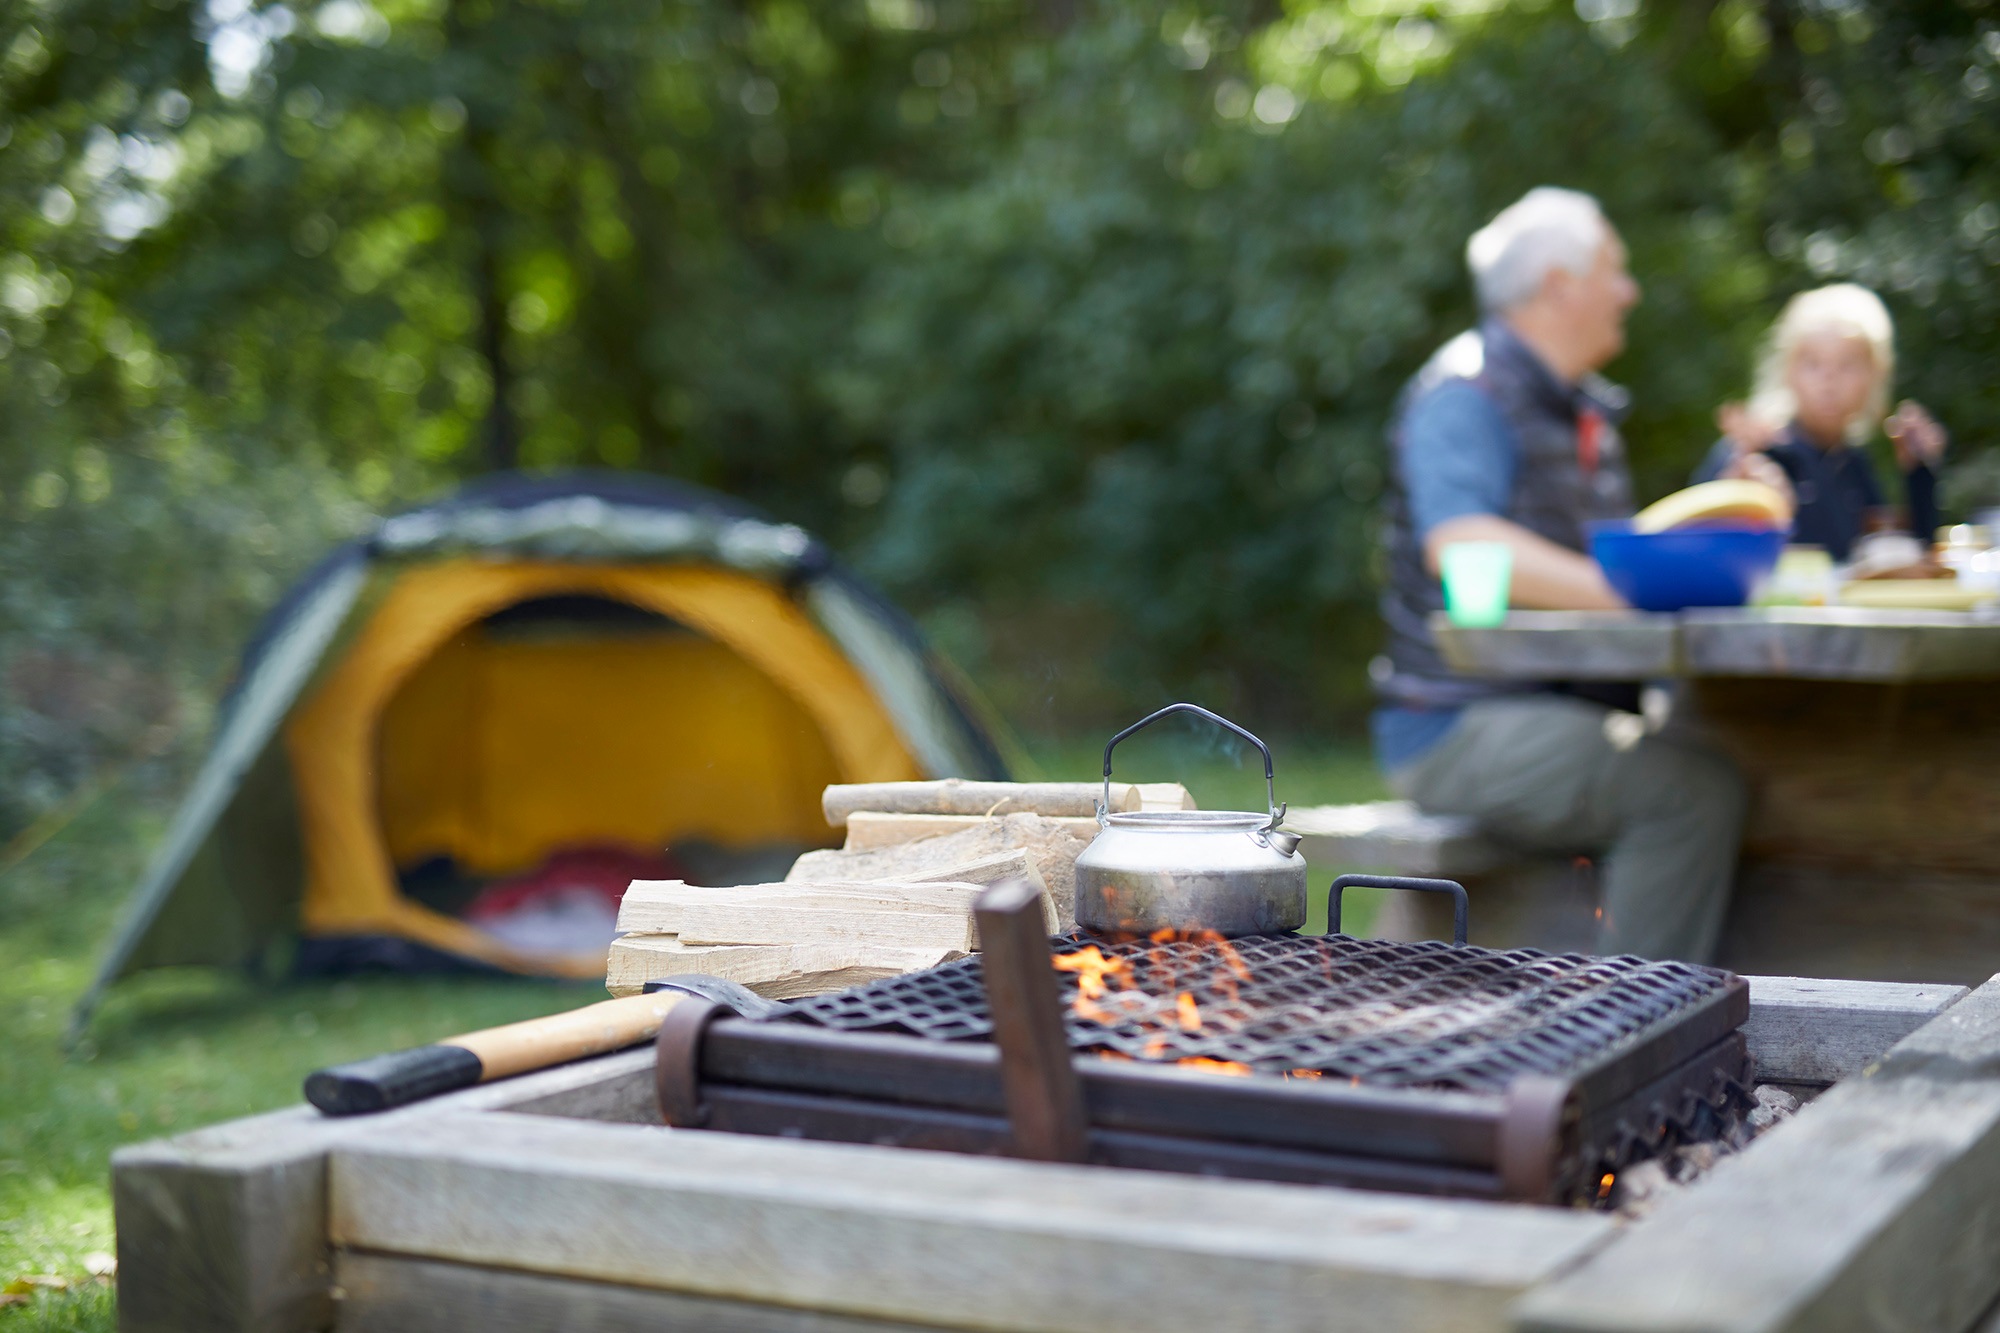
(780, 971)
(955, 796)
(958, 851)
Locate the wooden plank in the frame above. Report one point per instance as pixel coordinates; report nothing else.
(1898, 779)
(615, 1089)
(227, 1234)
(961, 1242)
(1876, 1207)
(1563, 645)
(1919, 927)
(224, 1229)
(1800, 643)
(1394, 837)
(1812, 1030)
(867, 831)
(1841, 643)
(956, 796)
(384, 1294)
(1544, 903)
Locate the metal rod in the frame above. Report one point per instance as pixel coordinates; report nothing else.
(1270, 781)
(1450, 886)
(1044, 1097)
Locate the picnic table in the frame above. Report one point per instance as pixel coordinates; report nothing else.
(1872, 743)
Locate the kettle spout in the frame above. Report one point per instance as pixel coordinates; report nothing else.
(1282, 842)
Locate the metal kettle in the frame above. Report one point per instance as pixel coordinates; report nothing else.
(1235, 873)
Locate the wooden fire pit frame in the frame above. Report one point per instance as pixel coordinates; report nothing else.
(557, 1200)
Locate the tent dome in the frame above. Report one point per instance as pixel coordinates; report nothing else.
(534, 688)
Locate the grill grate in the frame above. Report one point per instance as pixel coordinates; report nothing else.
(1424, 1015)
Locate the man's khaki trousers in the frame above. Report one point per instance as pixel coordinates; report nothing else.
(1662, 811)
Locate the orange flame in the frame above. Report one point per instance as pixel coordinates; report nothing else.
(1189, 1015)
(1303, 1073)
(1092, 968)
(1604, 1186)
(1214, 1066)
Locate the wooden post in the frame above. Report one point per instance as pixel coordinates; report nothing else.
(1044, 1096)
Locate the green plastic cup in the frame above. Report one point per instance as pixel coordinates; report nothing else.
(1477, 577)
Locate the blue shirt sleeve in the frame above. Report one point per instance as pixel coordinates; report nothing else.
(1457, 456)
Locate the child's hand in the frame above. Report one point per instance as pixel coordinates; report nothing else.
(1750, 434)
(1917, 436)
(1762, 467)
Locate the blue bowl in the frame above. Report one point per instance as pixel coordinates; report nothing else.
(1670, 571)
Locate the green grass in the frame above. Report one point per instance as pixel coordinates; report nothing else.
(170, 1052)
(173, 1051)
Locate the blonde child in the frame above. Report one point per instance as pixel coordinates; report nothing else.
(1822, 384)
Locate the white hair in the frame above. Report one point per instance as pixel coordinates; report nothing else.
(1545, 229)
(1843, 308)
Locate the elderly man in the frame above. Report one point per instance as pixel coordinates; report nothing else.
(1508, 434)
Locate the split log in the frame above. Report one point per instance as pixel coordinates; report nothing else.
(802, 913)
(868, 830)
(1164, 796)
(780, 971)
(910, 863)
(955, 796)
(891, 926)
(1052, 846)
(921, 868)
(660, 907)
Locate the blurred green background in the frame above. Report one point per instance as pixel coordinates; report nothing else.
(1073, 323)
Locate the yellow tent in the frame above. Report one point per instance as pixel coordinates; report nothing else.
(533, 665)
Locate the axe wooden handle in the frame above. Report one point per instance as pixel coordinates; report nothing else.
(401, 1077)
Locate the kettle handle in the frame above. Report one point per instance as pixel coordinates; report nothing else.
(1270, 790)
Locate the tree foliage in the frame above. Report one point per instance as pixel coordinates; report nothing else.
(1075, 324)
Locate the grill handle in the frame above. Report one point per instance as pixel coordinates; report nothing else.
(1038, 1080)
(1459, 902)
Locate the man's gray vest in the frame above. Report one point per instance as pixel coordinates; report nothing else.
(1555, 495)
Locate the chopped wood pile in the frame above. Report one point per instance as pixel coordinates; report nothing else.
(896, 898)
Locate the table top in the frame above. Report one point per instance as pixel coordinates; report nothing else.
(1800, 642)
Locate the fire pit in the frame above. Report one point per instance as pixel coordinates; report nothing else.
(557, 1200)
(1429, 1067)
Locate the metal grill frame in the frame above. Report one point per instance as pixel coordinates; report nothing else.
(1389, 1014)
(1540, 1138)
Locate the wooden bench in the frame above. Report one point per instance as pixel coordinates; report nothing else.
(1518, 897)
(1395, 838)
